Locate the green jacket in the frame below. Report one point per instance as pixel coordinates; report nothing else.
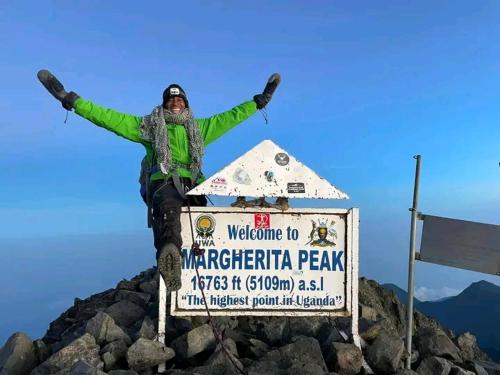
(127, 126)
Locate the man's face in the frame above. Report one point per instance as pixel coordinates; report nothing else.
(176, 104)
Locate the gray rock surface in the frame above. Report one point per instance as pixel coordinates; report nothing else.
(455, 370)
(262, 345)
(18, 355)
(103, 328)
(84, 348)
(139, 298)
(42, 351)
(194, 342)
(434, 366)
(467, 344)
(384, 356)
(302, 351)
(147, 329)
(257, 348)
(344, 358)
(82, 368)
(125, 312)
(144, 354)
(112, 353)
(434, 342)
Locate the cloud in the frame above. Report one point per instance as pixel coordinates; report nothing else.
(428, 294)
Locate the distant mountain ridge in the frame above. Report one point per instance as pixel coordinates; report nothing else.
(476, 309)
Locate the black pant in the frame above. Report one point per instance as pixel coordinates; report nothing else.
(166, 203)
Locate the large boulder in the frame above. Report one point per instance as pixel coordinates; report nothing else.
(18, 355)
(469, 349)
(125, 312)
(434, 366)
(271, 329)
(384, 356)
(81, 368)
(194, 342)
(301, 353)
(144, 354)
(345, 358)
(113, 353)
(434, 342)
(84, 348)
(104, 329)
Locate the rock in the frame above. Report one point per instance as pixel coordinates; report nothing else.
(257, 348)
(144, 354)
(84, 348)
(147, 329)
(194, 342)
(467, 344)
(140, 299)
(455, 370)
(370, 330)
(384, 356)
(103, 328)
(307, 325)
(405, 372)
(177, 326)
(266, 367)
(302, 351)
(479, 370)
(367, 312)
(150, 287)
(82, 368)
(344, 358)
(113, 353)
(434, 366)
(305, 369)
(125, 313)
(434, 342)
(18, 355)
(122, 372)
(67, 337)
(127, 285)
(42, 351)
(272, 329)
(385, 303)
(219, 357)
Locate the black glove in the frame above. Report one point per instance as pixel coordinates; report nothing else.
(272, 83)
(56, 89)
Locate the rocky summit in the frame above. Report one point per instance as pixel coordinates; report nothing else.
(114, 332)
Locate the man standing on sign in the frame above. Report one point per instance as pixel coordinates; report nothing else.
(175, 143)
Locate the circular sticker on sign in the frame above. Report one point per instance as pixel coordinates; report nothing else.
(281, 158)
(205, 226)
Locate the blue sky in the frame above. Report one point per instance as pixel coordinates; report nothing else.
(366, 85)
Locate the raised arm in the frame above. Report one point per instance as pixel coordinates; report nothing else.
(124, 125)
(215, 126)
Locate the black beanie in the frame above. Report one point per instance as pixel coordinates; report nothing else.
(174, 90)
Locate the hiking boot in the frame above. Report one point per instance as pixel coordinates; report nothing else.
(169, 266)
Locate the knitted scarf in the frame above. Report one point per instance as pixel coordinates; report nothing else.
(153, 129)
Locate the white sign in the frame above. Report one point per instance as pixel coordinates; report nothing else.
(270, 262)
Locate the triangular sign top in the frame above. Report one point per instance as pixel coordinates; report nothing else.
(268, 171)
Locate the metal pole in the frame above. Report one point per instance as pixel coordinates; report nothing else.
(411, 264)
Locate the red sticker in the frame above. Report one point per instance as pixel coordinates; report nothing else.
(262, 220)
